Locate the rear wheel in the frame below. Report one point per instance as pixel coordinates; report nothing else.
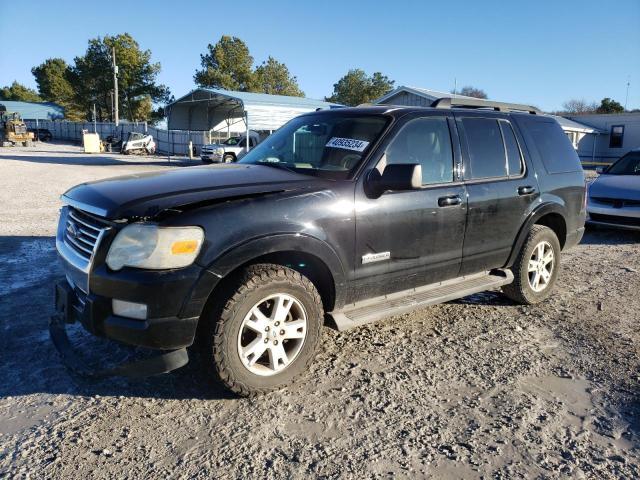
(267, 331)
(536, 269)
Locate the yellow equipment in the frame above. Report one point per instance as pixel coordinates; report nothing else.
(13, 130)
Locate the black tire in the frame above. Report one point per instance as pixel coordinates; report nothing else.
(221, 328)
(520, 290)
(228, 158)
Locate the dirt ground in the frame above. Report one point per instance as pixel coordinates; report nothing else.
(477, 388)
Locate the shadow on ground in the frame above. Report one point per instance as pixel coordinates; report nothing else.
(30, 363)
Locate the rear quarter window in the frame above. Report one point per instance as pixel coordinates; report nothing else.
(554, 147)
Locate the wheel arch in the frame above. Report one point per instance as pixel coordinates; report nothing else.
(550, 215)
(311, 257)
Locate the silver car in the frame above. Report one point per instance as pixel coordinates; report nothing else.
(614, 197)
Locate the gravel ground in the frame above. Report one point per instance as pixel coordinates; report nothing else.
(476, 388)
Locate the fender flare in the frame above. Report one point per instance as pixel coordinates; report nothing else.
(531, 219)
(244, 253)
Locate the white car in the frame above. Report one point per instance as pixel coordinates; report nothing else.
(614, 197)
(228, 151)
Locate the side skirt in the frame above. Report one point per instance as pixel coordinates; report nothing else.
(373, 309)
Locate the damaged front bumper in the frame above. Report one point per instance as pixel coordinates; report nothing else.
(71, 307)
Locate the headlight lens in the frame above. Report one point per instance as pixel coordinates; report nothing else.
(219, 151)
(149, 246)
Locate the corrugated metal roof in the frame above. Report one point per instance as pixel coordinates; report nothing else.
(204, 108)
(251, 98)
(34, 110)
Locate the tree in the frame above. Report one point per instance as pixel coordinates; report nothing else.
(274, 78)
(92, 78)
(17, 91)
(356, 87)
(578, 107)
(469, 91)
(53, 80)
(607, 105)
(227, 65)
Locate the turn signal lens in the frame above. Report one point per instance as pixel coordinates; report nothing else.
(184, 246)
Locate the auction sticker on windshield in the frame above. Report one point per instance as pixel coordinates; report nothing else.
(347, 144)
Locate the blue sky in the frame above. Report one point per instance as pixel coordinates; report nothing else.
(539, 51)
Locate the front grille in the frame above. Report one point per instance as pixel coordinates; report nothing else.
(617, 202)
(81, 232)
(615, 219)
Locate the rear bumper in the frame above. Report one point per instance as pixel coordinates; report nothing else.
(574, 238)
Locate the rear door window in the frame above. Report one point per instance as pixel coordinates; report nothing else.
(487, 157)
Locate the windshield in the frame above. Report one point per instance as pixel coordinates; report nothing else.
(627, 165)
(324, 145)
(231, 141)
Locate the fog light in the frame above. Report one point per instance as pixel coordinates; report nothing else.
(129, 309)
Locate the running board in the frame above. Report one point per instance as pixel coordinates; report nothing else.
(374, 309)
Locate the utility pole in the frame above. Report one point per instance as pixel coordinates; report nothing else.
(115, 87)
(626, 98)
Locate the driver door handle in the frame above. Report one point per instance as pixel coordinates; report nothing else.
(526, 190)
(449, 201)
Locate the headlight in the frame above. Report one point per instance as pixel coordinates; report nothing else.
(149, 246)
(219, 151)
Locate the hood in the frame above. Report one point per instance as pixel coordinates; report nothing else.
(147, 194)
(616, 186)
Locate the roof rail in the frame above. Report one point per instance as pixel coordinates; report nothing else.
(449, 102)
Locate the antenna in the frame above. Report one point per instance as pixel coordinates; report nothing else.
(626, 98)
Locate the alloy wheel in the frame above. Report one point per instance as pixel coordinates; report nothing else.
(540, 267)
(272, 334)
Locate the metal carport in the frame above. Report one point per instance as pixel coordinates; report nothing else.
(206, 109)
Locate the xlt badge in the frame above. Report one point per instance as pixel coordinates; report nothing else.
(375, 257)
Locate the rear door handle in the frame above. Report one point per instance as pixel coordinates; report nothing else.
(527, 190)
(449, 201)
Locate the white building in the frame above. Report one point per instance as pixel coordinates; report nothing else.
(616, 135)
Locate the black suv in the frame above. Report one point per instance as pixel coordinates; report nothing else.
(352, 214)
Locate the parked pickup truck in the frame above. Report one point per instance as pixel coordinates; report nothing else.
(230, 150)
(346, 216)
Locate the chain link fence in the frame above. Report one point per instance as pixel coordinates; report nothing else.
(168, 142)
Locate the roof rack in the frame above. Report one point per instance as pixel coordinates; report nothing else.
(449, 102)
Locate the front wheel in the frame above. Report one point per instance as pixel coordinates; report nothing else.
(229, 158)
(535, 271)
(267, 332)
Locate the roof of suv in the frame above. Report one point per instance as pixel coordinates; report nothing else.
(399, 110)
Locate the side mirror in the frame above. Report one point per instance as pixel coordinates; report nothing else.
(599, 170)
(396, 176)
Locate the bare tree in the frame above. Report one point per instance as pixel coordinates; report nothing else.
(470, 91)
(579, 106)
